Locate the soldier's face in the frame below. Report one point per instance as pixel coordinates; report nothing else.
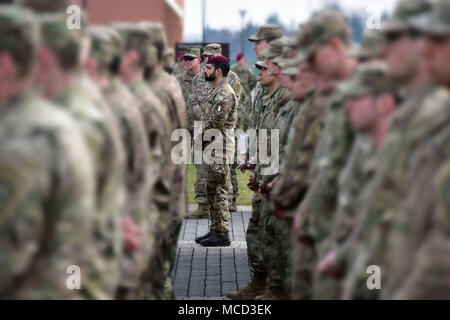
(403, 56)
(272, 68)
(293, 53)
(191, 64)
(437, 55)
(361, 112)
(303, 83)
(286, 81)
(326, 61)
(210, 73)
(260, 46)
(266, 77)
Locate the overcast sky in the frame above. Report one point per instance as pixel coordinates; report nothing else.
(225, 13)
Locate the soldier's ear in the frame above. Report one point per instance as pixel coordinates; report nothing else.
(6, 66)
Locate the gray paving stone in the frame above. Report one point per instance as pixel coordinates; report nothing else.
(210, 273)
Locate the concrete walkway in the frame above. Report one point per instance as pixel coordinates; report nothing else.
(211, 272)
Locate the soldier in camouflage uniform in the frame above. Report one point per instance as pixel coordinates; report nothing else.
(407, 264)
(197, 104)
(138, 55)
(326, 28)
(47, 186)
(107, 47)
(248, 82)
(185, 80)
(168, 60)
(369, 104)
(413, 123)
(221, 115)
(257, 286)
(60, 81)
(272, 231)
(169, 93)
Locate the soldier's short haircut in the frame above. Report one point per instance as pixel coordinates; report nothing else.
(68, 57)
(25, 51)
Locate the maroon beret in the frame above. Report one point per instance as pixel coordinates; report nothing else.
(219, 59)
(239, 56)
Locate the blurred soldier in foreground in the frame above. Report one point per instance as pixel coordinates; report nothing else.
(47, 185)
(326, 46)
(257, 286)
(414, 122)
(59, 79)
(168, 60)
(103, 66)
(138, 54)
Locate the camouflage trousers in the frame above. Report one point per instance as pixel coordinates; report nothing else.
(302, 267)
(253, 237)
(324, 288)
(218, 176)
(233, 189)
(275, 246)
(200, 184)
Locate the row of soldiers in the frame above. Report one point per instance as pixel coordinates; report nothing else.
(360, 207)
(90, 200)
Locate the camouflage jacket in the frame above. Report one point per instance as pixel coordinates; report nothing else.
(47, 202)
(138, 181)
(272, 105)
(303, 138)
(221, 114)
(422, 116)
(246, 77)
(331, 155)
(257, 107)
(202, 89)
(185, 81)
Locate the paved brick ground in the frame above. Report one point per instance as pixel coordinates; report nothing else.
(211, 272)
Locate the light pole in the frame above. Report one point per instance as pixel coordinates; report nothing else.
(242, 13)
(203, 21)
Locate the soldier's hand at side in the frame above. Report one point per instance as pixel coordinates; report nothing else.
(298, 227)
(252, 184)
(328, 266)
(131, 234)
(277, 211)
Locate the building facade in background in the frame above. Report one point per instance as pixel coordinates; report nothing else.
(169, 12)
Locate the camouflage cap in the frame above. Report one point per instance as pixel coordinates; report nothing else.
(275, 49)
(260, 65)
(437, 21)
(323, 26)
(47, 6)
(371, 45)
(19, 29)
(405, 13)
(291, 67)
(212, 49)
(55, 33)
(267, 31)
(283, 56)
(295, 41)
(106, 43)
(369, 79)
(138, 38)
(169, 52)
(157, 32)
(192, 52)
